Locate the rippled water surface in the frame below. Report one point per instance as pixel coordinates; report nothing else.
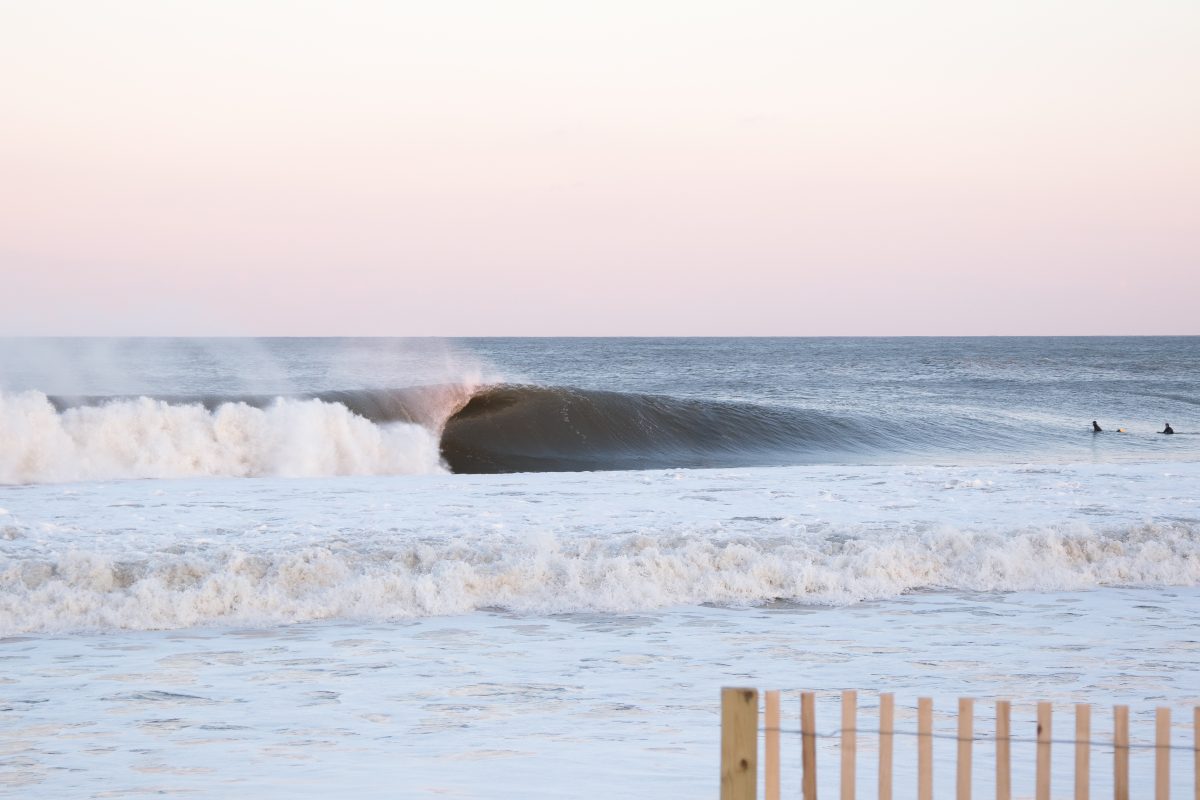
(254, 568)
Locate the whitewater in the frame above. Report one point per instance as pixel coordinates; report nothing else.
(167, 555)
(499, 568)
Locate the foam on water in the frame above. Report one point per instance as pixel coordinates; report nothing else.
(515, 634)
(493, 705)
(546, 575)
(88, 409)
(143, 438)
(167, 554)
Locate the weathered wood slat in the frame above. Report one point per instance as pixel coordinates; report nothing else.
(1083, 750)
(771, 754)
(887, 722)
(966, 732)
(739, 744)
(925, 748)
(849, 742)
(1121, 752)
(1162, 754)
(808, 737)
(1003, 750)
(1044, 711)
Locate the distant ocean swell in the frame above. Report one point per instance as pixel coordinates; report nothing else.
(186, 587)
(500, 428)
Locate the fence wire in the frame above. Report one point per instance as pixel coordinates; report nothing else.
(837, 734)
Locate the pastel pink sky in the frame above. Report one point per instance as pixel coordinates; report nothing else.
(542, 168)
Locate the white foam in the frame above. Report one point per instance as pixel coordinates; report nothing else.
(202, 584)
(146, 438)
(183, 553)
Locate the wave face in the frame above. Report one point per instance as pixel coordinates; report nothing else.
(561, 574)
(497, 428)
(512, 428)
(166, 408)
(494, 429)
(47, 440)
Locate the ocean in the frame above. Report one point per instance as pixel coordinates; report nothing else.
(526, 567)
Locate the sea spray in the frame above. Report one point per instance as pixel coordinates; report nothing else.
(148, 438)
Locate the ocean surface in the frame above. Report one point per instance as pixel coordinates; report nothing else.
(525, 567)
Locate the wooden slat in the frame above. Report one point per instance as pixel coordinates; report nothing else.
(739, 744)
(924, 749)
(1043, 751)
(1121, 752)
(808, 738)
(966, 733)
(1004, 750)
(1162, 754)
(887, 723)
(1083, 750)
(739, 748)
(771, 754)
(849, 741)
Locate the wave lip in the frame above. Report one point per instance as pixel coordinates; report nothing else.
(427, 406)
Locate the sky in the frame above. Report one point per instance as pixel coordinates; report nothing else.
(458, 167)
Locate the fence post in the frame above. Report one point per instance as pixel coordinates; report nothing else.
(887, 715)
(1083, 750)
(1043, 751)
(739, 744)
(924, 748)
(771, 756)
(849, 741)
(1162, 754)
(1121, 752)
(966, 732)
(808, 738)
(1004, 750)
(1196, 751)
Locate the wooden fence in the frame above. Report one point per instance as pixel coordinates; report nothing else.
(740, 746)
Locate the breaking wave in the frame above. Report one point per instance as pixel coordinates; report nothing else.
(540, 429)
(181, 587)
(152, 438)
(492, 429)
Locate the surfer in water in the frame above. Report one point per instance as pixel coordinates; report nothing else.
(1096, 428)
(1167, 429)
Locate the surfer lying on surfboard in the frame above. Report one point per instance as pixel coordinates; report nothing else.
(1097, 429)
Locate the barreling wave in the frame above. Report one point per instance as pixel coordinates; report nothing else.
(491, 429)
(185, 587)
(539, 429)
